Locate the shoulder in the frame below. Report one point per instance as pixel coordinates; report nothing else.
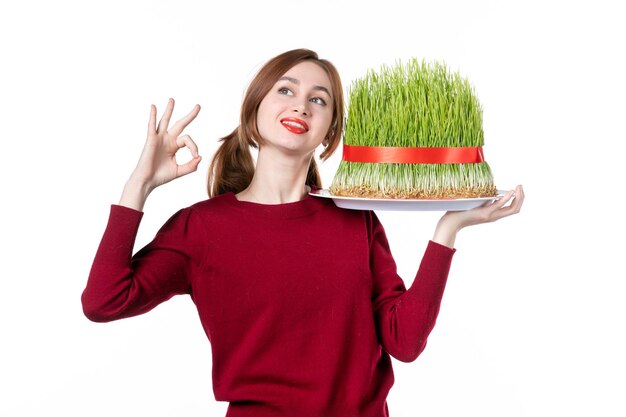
(365, 222)
(343, 220)
(211, 205)
(196, 214)
(206, 214)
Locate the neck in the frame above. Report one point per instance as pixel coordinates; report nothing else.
(277, 179)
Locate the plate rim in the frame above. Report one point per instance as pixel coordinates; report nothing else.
(404, 204)
(325, 193)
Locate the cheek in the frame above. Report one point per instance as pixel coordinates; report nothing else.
(263, 117)
(326, 123)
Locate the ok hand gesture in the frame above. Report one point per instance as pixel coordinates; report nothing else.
(157, 164)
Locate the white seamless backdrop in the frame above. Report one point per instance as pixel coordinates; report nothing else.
(532, 322)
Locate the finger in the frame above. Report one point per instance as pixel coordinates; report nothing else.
(152, 120)
(519, 198)
(520, 192)
(180, 125)
(503, 200)
(189, 167)
(165, 120)
(187, 142)
(516, 197)
(495, 210)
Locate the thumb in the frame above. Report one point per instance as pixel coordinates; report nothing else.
(189, 167)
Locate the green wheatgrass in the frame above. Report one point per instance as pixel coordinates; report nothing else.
(416, 104)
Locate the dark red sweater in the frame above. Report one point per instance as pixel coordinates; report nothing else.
(301, 301)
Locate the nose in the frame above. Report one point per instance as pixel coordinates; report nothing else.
(301, 108)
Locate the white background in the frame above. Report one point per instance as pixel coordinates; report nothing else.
(532, 323)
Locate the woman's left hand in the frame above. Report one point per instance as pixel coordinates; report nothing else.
(453, 221)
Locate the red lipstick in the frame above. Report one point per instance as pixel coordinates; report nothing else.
(295, 125)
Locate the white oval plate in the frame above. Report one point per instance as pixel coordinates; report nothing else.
(407, 204)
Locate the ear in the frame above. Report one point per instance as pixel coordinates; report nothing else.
(329, 135)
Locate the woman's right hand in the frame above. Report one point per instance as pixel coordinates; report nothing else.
(157, 164)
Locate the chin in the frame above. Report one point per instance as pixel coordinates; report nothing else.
(295, 150)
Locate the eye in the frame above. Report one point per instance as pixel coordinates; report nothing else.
(285, 91)
(318, 100)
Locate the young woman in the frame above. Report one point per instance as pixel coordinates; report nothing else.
(300, 299)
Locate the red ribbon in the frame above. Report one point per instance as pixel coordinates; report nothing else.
(398, 155)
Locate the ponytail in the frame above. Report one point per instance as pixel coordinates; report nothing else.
(232, 167)
(313, 177)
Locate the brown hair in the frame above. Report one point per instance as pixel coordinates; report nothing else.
(232, 166)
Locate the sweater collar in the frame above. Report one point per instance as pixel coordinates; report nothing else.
(302, 208)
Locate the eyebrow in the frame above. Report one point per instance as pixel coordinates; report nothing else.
(297, 82)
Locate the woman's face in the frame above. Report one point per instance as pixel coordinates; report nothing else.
(295, 116)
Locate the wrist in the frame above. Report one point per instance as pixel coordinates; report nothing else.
(135, 194)
(446, 231)
(138, 186)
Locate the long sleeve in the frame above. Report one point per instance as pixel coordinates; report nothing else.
(121, 285)
(405, 318)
